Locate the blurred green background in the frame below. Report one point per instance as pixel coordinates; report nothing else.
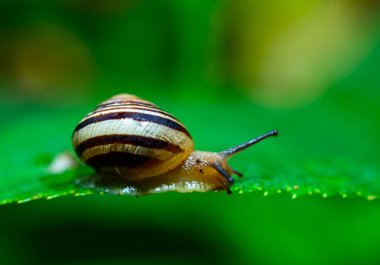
(230, 70)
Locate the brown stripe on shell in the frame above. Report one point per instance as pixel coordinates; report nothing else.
(127, 139)
(126, 107)
(143, 117)
(129, 102)
(121, 159)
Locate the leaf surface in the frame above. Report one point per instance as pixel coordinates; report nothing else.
(323, 148)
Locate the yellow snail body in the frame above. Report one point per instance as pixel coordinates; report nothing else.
(137, 148)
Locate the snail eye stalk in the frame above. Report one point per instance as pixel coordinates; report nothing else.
(236, 149)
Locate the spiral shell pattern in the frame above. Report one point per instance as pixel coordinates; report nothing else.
(131, 137)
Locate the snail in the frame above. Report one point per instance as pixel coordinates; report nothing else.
(139, 149)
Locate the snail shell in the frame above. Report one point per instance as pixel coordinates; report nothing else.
(131, 137)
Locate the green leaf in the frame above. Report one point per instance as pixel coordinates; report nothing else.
(323, 148)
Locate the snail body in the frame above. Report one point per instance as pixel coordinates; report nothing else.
(133, 145)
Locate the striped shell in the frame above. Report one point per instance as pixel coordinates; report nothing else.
(131, 137)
